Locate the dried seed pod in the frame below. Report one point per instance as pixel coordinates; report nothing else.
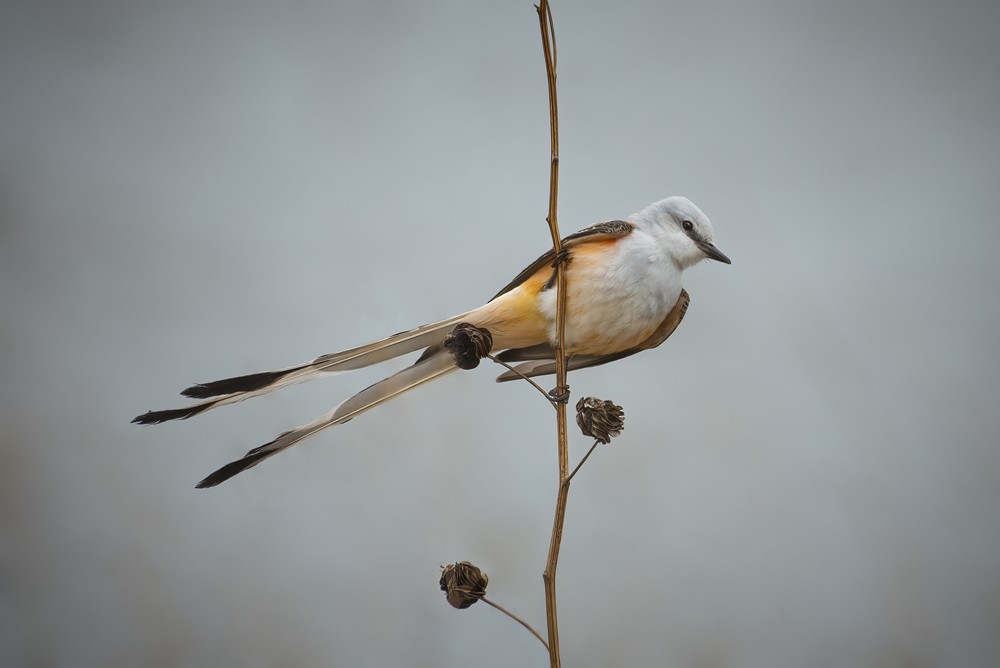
(468, 344)
(599, 418)
(463, 584)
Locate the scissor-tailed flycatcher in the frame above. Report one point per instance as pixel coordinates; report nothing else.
(624, 295)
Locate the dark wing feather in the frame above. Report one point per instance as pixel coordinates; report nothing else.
(529, 271)
(539, 351)
(610, 229)
(607, 230)
(534, 368)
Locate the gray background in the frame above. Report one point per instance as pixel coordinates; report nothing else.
(810, 473)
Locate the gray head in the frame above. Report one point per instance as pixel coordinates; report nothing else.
(684, 228)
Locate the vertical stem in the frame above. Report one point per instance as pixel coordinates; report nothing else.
(549, 575)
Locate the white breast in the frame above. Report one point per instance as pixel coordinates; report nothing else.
(616, 298)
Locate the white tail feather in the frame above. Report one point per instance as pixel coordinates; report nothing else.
(231, 390)
(427, 370)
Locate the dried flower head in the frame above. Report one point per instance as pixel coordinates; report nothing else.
(463, 584)
(468, 344)
(600, 418)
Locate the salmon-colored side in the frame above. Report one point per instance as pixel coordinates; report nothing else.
(602, 322)
(518, 318)
(513, 318)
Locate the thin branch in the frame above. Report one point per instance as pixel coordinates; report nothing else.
(536, 385)
(549, 575)
(516, 619)
(582, 461)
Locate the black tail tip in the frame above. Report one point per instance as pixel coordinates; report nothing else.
(210, 481)
(252, 458)
(150, 417)
(218, 477)
(249, 383)
(197, 391)
(158, 417)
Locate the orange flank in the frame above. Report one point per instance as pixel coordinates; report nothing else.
(596, 322)
(514, 318)
(599, 322)
(599, 246)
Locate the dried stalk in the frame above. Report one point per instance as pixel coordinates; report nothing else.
(516, 619)
(523, 377)
(582, 461)
(561, 389)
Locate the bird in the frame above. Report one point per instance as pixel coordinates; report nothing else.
(624, 295)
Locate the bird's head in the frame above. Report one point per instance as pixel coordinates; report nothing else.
(686, 231)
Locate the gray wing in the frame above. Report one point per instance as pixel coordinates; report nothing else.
(610, 229)
(535, 361)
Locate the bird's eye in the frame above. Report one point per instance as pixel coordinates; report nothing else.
(687, 225)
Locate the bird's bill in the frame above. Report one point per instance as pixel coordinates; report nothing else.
(712, 252)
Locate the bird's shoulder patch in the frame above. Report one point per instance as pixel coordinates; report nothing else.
(607, 231)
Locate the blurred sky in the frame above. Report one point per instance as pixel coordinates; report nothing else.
(810, 472)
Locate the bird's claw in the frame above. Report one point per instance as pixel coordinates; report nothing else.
(559, 395)
(562, 257)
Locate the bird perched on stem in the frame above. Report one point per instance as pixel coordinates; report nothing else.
(624, 295)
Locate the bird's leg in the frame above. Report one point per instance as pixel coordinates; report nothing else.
(560, 395)
(562, 257)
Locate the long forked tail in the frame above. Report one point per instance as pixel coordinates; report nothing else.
(230, 390)
(426, 369)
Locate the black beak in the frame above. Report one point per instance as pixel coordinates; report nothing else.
(710, 250)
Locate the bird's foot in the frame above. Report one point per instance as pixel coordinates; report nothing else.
(562, 257)
(559, 395)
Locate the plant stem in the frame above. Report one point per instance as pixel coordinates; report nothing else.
(582, 461)
(549, 575)
(516, 619)
(536, 385)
